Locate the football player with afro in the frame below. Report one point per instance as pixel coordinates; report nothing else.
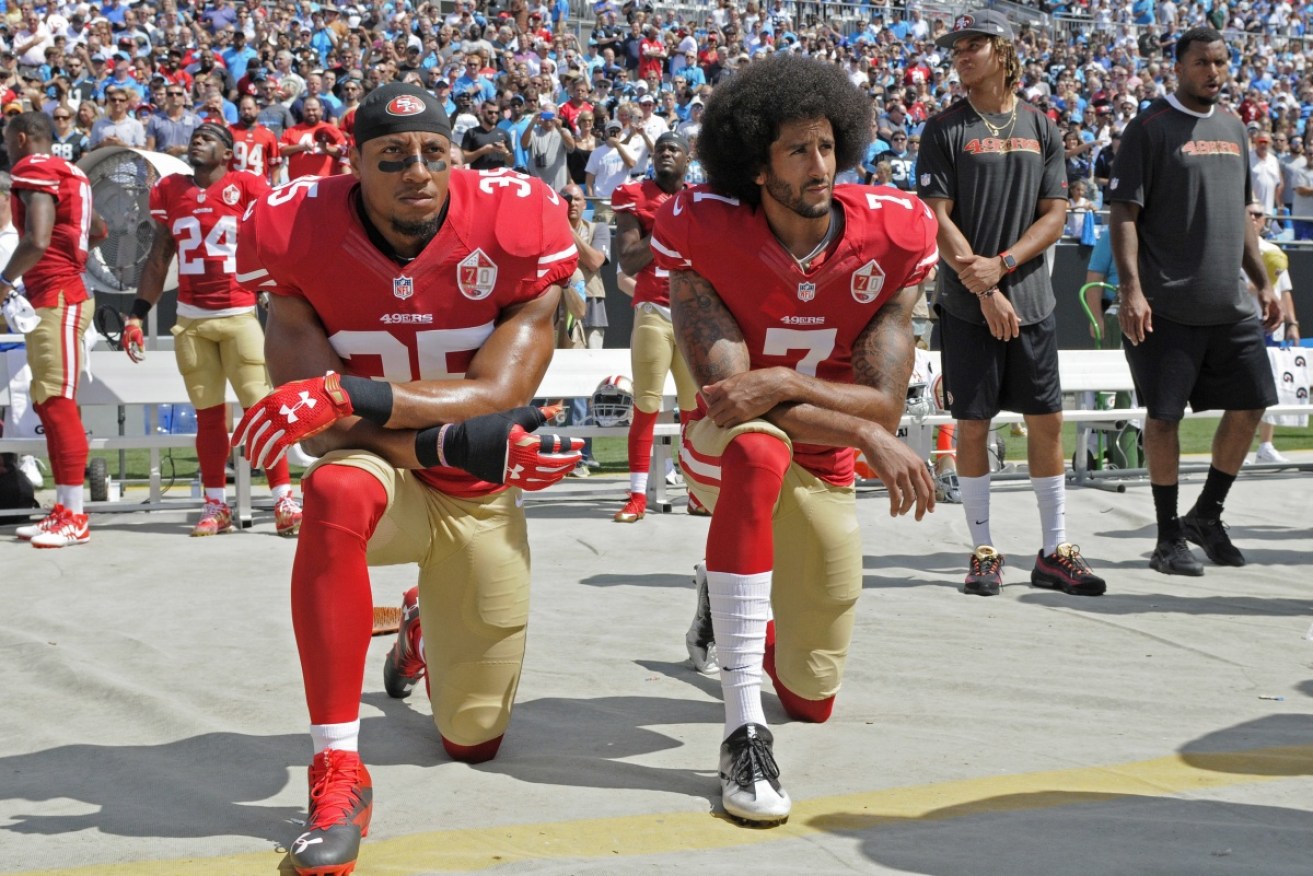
(792, 303)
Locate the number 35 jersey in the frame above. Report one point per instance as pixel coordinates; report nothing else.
(506, 240)
(203, 225)
(804, 320)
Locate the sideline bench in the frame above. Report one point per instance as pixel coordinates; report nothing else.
(115, 381)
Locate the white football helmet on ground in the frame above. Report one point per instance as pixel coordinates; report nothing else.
(613, 401)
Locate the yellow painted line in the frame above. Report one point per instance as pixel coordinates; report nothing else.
(655, 834)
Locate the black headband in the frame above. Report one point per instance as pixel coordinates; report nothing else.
(225, 136)
(398, 108)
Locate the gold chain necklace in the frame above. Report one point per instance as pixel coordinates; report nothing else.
(997, 130)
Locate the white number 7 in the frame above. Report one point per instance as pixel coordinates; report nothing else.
(818, 344)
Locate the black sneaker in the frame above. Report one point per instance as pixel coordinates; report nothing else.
(750, 778)
(1066, 570)
(701, 636)
(1173, 557)
(341, 802)
(1211, 536)
(985, 575)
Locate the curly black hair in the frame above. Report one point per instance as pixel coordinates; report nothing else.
(744, 116)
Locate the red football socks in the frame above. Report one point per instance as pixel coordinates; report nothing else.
(66, 440)
(640, 440)
(751, 474)
(332, 604)
(212, 445)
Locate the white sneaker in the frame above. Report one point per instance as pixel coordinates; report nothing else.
(701, 637)
(31, 467)
(72, 529)
(750, 778)
(1269, 454)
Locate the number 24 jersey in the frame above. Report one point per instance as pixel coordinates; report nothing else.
(804, 320)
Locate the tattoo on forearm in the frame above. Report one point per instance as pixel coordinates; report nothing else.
(883, 355)
(705, 330)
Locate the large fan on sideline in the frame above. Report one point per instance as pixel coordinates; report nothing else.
(121, 180)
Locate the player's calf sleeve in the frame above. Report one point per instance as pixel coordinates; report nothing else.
(278, 474)
(332, 605)
(751, 473)
(798, 708)
(212, 446)
(640, 440)
(66, 440)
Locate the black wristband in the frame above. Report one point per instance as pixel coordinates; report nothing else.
(140, 308)
(370, 399)
(426, 447)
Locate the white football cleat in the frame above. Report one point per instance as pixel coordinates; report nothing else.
(750, 778)
(701, 637)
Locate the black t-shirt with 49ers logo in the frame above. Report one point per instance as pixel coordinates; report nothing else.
(995, 182)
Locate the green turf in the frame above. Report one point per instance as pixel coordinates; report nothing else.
(1196, 436)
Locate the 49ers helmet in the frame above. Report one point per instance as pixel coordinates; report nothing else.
(613, 401)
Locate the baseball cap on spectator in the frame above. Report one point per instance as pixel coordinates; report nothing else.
(13, 108)
(985, 22)
(517, 98)
(1262, 137)
(613, 126)
(646, 98)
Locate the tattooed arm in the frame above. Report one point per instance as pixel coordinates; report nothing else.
(862, 416)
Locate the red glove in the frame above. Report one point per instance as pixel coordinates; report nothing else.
(291, 413)
(133, 341)
(499, 448)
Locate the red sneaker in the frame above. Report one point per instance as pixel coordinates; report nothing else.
(341, 801)
(634, 509)
(405, 665)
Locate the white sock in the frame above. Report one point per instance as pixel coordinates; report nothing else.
(70, 497)
(343, 737)
(1051, 496)
(281, 491)
(975, 504)
(215, 494)
(638, 482)
(740, 608)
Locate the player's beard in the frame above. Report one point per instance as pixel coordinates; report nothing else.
(423, 229)
(787, 196)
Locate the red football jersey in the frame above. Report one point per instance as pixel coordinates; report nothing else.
(314, 161)
(255, 150)
(642, 199)
(60, 269)
(203, 223)
(506, 239)
(805, 320)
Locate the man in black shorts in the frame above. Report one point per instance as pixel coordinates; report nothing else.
(991, 167)
(1179, 188)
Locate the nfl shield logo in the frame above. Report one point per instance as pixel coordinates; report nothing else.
(867, 282)
(231, 195)
(403, 287)
(200, 197)
(476, 275)
(806, 291)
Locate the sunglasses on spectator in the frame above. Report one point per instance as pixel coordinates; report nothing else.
(59, 116)
(1254, 214)
(118, 100)
(175, 93)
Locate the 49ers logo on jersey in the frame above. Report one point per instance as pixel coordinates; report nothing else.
(231, 195)
(476, 275)
(868, 280)
(405, 105)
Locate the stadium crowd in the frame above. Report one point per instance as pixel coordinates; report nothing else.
(535, 86)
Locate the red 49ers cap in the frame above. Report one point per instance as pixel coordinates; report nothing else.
(988, 22)
(398, 108)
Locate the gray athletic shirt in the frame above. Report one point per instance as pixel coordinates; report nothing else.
(1190, 176)
(996, 185)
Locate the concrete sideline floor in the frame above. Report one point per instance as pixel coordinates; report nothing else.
(155, 722)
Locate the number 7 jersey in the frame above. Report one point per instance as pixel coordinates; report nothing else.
(203, 225)
(804, 320)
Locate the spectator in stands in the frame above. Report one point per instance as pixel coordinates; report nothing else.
(609, 166)
(314, 147)
(68, 142)
(170, 130)
(1265, 172)
(547, 142)
(117, 127)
